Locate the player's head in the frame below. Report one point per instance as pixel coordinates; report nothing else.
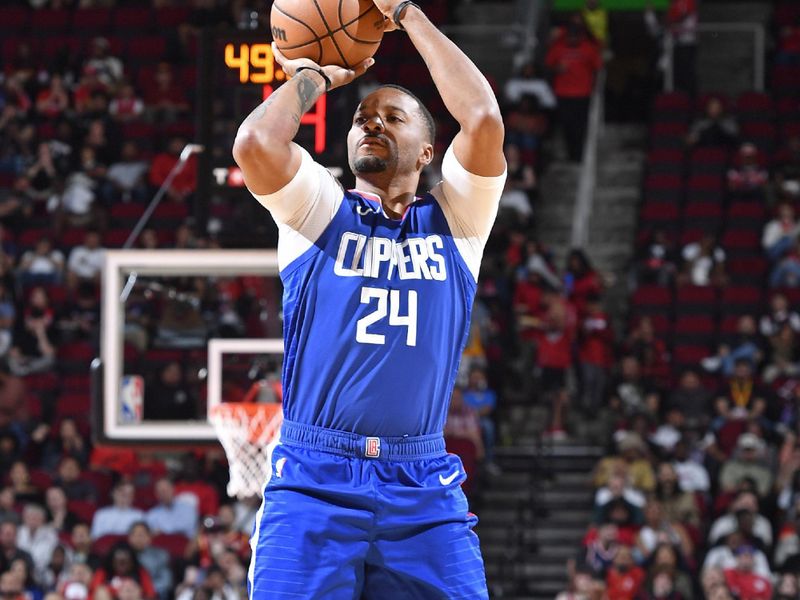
(392, 133)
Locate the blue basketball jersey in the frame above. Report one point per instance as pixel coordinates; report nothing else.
(376, 311)
(376, 314)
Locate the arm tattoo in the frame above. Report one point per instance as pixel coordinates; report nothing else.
(306, 92)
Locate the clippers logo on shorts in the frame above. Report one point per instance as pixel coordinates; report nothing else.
(373, 447)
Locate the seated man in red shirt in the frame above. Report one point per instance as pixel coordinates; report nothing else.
(742, 581)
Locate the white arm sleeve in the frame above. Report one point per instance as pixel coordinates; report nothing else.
(469, 203)
(303, 208)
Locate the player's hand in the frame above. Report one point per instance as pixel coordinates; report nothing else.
(339, 76)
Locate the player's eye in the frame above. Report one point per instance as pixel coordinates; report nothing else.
(394, 119)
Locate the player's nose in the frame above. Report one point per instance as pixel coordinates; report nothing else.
(373, 125)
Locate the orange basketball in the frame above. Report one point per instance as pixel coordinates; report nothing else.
(329, 32)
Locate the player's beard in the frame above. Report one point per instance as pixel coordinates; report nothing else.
(369, 164)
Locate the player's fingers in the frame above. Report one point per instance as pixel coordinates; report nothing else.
(362, 67)
(278, 55)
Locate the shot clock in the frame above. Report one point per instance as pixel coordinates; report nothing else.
(236, 72)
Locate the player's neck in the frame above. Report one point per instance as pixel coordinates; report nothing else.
(396, 194)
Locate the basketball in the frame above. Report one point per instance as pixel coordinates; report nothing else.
(329, 32)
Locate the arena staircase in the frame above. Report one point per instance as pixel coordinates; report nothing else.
(612, 225)
(534, 515)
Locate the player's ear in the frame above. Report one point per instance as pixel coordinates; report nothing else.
(425, 155)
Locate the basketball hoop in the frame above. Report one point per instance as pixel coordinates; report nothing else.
(248, 432)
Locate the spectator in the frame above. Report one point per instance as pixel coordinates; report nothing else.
(20, 478)
(716, 128)
(483, 399)
(80, 317)
(692, 399)
(517, 197)
(76, 584)
(121, 565)
(596, 355)
(779, 316)
(463, 423)
(630, 461)
(214, 586)
(527, 82)
(658, 529)
(24, 573)
(596, 19)
(80, 550)
(742, 398)
(648, 350)
(191, 482)
(692, 475)
(156, 561)
(786, 271)
(722, 557)
(61, 518)
(678, 505)
(164, 98)
(780, 234)
(703, 263)
(34, 345)
(69, 479)
(43, 174)
(37, 538)
(656, 262)
(185, 182)
(171, 515)
(786, 168)
(742, 511)
(749, 463)
(787, 549)
(630, 388)
(581, 281)
(665, 559)
(747, 178)
(601, 546)
(9, 550)
(117, 518)
(109, 68)
(624, 579)
(681, 26)
(745, 347)
(86, 260)
(125, 178)
(53, 101)
(575, 60)
(169, 397)
(581, 585)
(42, 265)
(743, 581)
(126, 106)
(617, 487)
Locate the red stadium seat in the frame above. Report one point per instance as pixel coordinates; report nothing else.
(748, 270)
(174, 543)
(660, 215)
(741, 299)
(705, 215)
(91, 19)
(689, 355)
(754, 106)
(14, 18)
(172, 16)
(651, 298)
(50, 20)
(132, 18)
(695, 299)
(83, 509)
(665, 161)
(41, 479)
(746, 212)
(694, 329)
(673, 102)
(762, 134)
(103, 544)
(72, 404)
(146, 49)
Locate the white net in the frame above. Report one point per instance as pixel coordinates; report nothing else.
(247, 432)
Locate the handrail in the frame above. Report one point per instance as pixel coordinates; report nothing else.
(759, 50)
(588, 177)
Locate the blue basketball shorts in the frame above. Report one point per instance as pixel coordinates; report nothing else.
(350, 517)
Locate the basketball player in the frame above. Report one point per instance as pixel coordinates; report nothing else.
(364, 502)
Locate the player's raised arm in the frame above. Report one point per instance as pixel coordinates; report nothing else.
(464, 90)
(263, 148)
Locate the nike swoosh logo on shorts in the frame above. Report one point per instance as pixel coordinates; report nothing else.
(449, 479)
